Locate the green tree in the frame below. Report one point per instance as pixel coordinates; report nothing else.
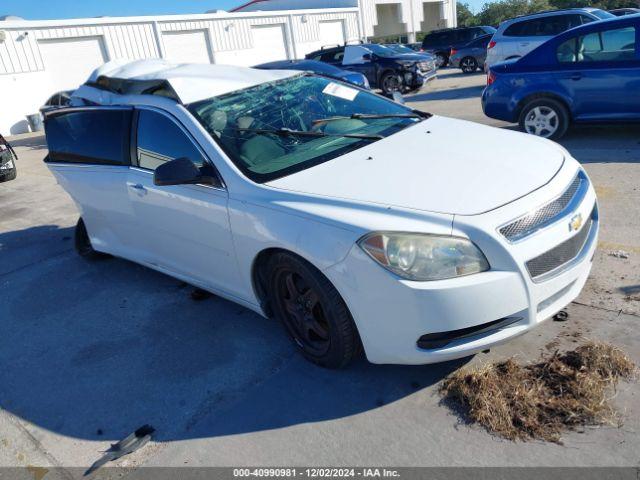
(493, 13)
(466, 18)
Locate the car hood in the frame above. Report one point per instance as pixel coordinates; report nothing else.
(439, 165)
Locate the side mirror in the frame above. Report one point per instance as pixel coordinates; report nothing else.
(180, 171)
(367, 57)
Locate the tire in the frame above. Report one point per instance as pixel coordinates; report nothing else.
(468, 65)
(390, 82)
(545, 117)
(442, 60)
(83, 243)
(312, 311)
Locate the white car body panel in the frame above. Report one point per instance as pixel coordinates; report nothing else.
(421, 179)
(485, 171)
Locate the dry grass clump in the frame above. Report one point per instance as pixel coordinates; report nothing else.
(540, 400)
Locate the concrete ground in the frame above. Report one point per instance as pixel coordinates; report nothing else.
(91, 351)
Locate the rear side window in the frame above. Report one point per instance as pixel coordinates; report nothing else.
(542, 27)
(481, 42)
(96, 136)
(160, 139)
(437, 39)
(606, 46)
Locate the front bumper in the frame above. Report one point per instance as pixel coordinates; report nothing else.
(392, 314)
(8, 171)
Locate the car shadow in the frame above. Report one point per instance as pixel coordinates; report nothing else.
(93, 350)
(458, 93)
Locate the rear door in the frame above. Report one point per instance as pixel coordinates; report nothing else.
(89, 156)
(601, 72)
(183, 229)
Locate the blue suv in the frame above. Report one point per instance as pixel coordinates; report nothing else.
(590, 73)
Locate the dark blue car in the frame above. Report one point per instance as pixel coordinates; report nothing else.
(320, 68)
(590, 73)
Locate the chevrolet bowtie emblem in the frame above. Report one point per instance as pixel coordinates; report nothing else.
(576, 222)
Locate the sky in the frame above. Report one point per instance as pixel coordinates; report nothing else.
(53, 9)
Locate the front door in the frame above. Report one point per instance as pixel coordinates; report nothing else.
(360, 59)
(184, 229)
(602, 73)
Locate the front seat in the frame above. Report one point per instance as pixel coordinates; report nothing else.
(259, 149)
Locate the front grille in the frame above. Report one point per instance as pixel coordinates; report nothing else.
(549, 213)
(553, 260)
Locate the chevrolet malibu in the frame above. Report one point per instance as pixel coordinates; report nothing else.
(357, 222)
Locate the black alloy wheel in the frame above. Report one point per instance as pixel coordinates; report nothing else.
(312, 311)
(468, 64)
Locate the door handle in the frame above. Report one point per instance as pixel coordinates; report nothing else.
(575, 76)
(138, 187)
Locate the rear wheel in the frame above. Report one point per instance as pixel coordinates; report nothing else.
(312, 311)
(83, 243)
(545, 117)
(468, 64)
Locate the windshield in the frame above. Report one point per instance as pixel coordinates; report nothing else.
(277, 128)
(381, 50)
(401, 49)
(602, 15)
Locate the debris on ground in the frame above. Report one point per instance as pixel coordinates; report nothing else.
(561, 316)
(619, 254)
(541, 400)
(130, 444)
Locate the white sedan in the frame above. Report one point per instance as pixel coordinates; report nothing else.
(357, 222)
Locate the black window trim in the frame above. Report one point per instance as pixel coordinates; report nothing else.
(134, 144)
(82, 160)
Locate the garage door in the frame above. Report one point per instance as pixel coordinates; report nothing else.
(187, 47)
(70, 61)
(332, 33)
(269, 43)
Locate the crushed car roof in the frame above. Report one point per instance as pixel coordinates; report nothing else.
(185, 82)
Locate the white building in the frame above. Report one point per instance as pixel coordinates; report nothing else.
(41, 57)
(380, 18)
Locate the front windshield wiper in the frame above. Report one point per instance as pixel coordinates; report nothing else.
(361, 116)
(287, 132)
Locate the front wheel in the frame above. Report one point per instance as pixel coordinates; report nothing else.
(312, 311)
(441, 60)
(545, 117)
(468, 64)
(390, 83)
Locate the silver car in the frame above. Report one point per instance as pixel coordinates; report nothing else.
(518, 36)
(472, 56)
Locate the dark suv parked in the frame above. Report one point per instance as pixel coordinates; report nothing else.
(386, 69)
(8, 159)
(440, 42)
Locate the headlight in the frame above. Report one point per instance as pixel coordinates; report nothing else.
(423, 257)
(7, 166)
